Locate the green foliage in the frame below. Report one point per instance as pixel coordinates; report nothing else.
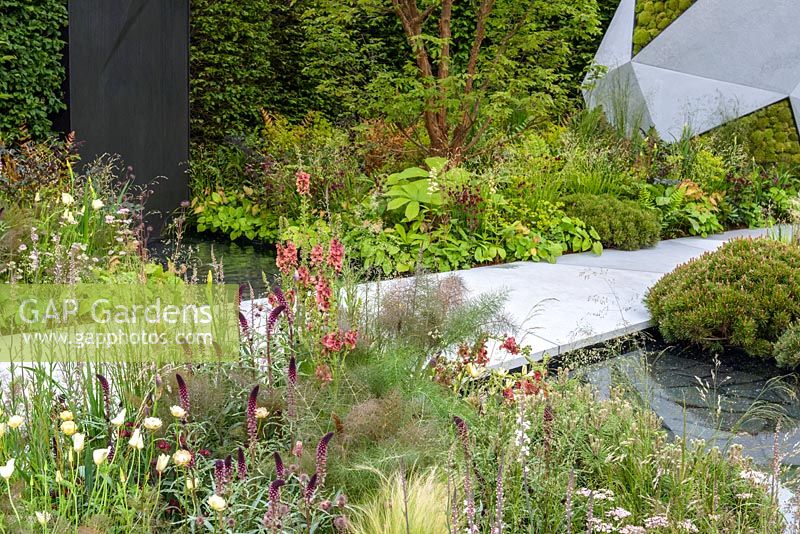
(244, 58)
(769, 135)
(235, 215)
(652, 17)
(746, 294)
(621, 224)
(31, 74)
(685, 208)
(415, 189)
(787, 348)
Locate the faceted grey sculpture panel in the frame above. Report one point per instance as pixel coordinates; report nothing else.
(718, 61)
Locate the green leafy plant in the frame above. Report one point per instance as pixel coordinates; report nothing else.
(685, 208)
(31, 72)
(236, 215)
(415, 190)
(787, 348)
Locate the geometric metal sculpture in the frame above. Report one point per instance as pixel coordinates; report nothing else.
(718, 61)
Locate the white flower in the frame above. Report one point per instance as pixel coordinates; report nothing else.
(15, 421)
(67, 199)
(59, 478)
(97, 204)
(162, 462)
(182, 457)
(119, 420)
(43, 518)
(192, 483)
(69, 217)
(152, 423)
(69, 427)
(100, 455)
(177, 412)
(78, 441)
(688, 526)
(217, 503)
(136, 440)
(262, 413)
(7, 470)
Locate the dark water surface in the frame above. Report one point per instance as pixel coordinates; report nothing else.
(736, 399)
(241, 262)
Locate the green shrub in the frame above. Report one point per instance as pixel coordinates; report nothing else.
(746, 294)
(769, 135)
(622, 224)
(653, 17)
(787, 348)
(31, 72)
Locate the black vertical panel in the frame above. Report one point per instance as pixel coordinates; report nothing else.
(129, 89)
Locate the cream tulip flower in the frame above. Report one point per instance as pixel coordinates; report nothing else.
(136, 440)
(67, 199)
(182, 457)
(162, 462)
(100, 455)
(69, 427)
(97, 204)
(119, 420)
(15, 421)
(59, 478)
(7, 470)
(177, 412)
(152, 423)
(192, 483)
(217, 503)
(66, 415)
(262, 413)
(43, 518)
(78, 442)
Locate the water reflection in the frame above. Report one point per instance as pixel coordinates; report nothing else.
(736, 399)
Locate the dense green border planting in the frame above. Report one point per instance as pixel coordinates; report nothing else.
(769, 135)
(31, 72)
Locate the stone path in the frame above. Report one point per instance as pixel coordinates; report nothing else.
(584, 299)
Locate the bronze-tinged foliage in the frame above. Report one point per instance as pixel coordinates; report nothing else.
(745, 295)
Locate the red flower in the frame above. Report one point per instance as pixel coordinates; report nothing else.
(163, 445)
(303, 183)
(323, 294)
(336, 255)
(510, 344)
(287, 257)
(303, 276)
(317, 255)
(332, 342)
(351, 338)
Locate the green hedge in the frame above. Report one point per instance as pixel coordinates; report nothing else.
(745, 295)
(31, 72)
(652, 17)
(621, 224)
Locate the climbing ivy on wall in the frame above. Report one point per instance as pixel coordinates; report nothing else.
(31, 72)
(653, 17)
(769, 135)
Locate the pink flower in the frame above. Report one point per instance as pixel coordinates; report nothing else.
(303, 183)
(332, 342)
(317, 255)
(336, 255)
(323, 373)
(323, 294)
(303, 276)
(287, 257)
(297, 450)
(350, 339)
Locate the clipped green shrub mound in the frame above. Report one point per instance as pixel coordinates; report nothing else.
(621, 224)
(769, 135)
(787, 348)
(653, 17)
(746, 295)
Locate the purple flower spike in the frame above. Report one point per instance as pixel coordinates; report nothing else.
(183, 392)
(275, 496)
(106, 394)
(322, 457)
(280, 469)
(241, 464)
(252, 423)
(293, 371)
(243, 325)
(219, 477)
(273, 316)
(311, 488)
